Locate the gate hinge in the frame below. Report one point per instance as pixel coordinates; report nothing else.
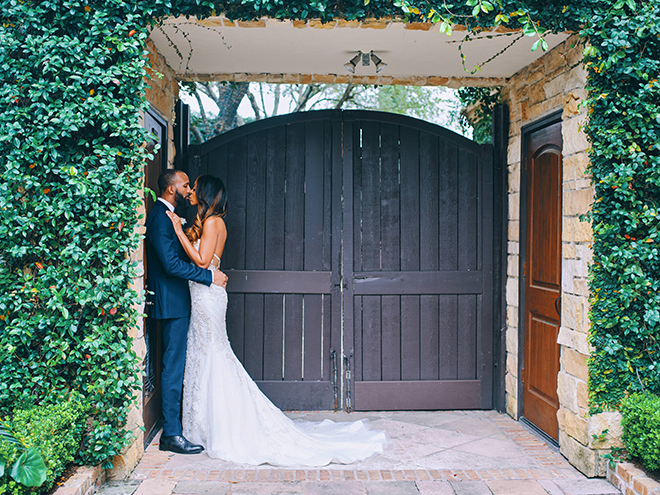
(347, 373)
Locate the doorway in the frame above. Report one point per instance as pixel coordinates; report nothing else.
(540, 281)
(151, 398)
(360, 271)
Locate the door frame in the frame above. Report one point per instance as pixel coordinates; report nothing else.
(500, 133)
(155, 114)
(548, 120)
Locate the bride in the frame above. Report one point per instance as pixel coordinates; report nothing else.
(223, 409)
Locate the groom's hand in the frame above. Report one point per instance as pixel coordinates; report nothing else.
(219, 278)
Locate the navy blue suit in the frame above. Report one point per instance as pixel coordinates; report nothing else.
(168, 272)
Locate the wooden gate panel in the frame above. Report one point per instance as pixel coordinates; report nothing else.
(429, 208)
(448, 203)
(313, 332)
(406, 218)
(389, 217)
(274, 251)
(236, 182)
(273, 328)
(294, 244)
(468, 206)
(410, 252)
(417, 316)
(467, 343)
(255, 207)
(275, 184)
(280, 306)
(255, 204)
(429, 338)
(448, 347)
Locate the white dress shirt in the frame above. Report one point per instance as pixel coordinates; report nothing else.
(169, 205)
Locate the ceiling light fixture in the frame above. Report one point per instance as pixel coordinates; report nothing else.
(380, 65)
(352, 63)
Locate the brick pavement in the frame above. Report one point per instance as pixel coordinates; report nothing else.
(524, 464)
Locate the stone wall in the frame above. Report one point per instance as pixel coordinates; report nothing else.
(555, 82)
(162, 94)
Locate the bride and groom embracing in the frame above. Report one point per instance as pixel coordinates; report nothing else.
(209, 401)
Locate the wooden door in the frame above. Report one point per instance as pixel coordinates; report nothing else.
(421, 265)
(542, 276)
(151, 398)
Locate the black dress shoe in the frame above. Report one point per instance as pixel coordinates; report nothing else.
(179, 445)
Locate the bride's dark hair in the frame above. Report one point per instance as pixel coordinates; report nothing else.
(212, 202)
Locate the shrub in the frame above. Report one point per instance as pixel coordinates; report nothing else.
(54, 430)
(641, 428)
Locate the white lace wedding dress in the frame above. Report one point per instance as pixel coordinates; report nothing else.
(224, 410)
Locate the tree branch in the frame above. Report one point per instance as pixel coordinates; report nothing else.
(345, 96)
(263, 103)
(254, 104)
(198, 135)
(208, 91)
(310, 91)
(276, 104)
(202, 113)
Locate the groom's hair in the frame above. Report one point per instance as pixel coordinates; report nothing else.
(166, 179)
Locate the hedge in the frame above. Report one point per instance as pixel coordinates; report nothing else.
(641, 428)
(55, 430)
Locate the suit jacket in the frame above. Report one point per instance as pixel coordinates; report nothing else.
(169, 268)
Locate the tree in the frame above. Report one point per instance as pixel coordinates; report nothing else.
(434, 104)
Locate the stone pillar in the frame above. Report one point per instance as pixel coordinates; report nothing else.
(554, 82)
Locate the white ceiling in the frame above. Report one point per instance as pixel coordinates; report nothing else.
(220, 47)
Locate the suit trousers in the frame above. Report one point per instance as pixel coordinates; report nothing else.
(175, 335)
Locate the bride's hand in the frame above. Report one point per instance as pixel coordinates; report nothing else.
(176, 221)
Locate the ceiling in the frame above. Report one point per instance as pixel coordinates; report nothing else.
(281, 51)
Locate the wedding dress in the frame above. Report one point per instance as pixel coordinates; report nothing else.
(224, 410)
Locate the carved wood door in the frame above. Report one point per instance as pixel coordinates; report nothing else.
(542, 276)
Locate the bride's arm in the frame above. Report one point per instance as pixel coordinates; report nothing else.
(214, 232)
(214, 235)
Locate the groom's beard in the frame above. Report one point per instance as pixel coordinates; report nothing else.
(180, 199)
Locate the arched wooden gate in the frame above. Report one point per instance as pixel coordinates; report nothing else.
(359, 256)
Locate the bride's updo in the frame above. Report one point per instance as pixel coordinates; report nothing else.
(212, 201)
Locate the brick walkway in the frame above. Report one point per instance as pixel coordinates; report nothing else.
(457, 452)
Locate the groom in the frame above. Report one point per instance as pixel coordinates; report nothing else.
(169, 270)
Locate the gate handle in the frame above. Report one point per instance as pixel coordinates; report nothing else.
(558, 306)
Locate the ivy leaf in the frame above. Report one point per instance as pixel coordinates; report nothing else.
(29, 469)
(150, 192)
(7, 436)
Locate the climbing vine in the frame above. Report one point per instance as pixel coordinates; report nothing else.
(73, 77)
(624, 128)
